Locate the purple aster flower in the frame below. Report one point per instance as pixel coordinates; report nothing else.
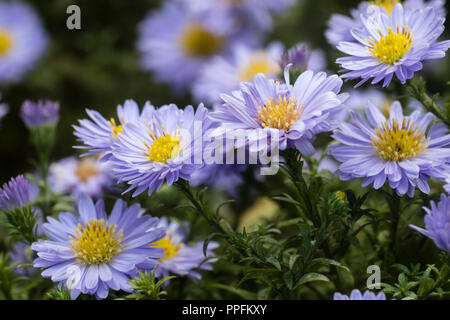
(252, 15)
(180, 258)
(171, 147)
(359, 98)
(224, 75)
(393, 44)
(401, 149)
(222, 177)
(340, 26)
(357, 295)
(302, 58)
(295, 113)
(437, 221)
(176, 43)
(91, 253)
(77, 177)
(17, 193)
(297, 56)
(99, 134)
(23, 40)
(22, 254)
(447, 186)
(40, 114)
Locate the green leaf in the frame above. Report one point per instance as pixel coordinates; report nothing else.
(208, 240)
(330, 262)
(288, 278)
(312, 276)
(274, 262)
(244, 294)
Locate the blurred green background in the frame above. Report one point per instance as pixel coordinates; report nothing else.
(97, 67)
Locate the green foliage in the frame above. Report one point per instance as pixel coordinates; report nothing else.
(59, 294)
(146, 286)
(414, 284)
(23, 221)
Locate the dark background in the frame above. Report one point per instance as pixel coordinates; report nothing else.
(97, 67)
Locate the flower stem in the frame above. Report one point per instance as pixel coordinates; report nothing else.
(394, 202)
(294, 169)
(417, 88)
(213, 220)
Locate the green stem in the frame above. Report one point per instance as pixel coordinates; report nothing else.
(294, 170)
(186, 189)
(417, 88)
(395, 208)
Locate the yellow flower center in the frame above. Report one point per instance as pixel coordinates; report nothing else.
(5, 42)
(259, 63)
(86, 170)
(280, 114)
(398, 142)
(170, 249)
(96, 243)
(198, 42)
(391, 47)
(387, 5)
(163, 148)
(115, 128)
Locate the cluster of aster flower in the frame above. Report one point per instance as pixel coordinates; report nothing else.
(91, 252)
(187, 43)
(265, 98)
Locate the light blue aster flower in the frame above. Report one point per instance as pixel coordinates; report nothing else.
(357, 295)
(39, 114)
(359, 98)
(21, 254)
(222, 177)
(181, 258)
(17, 193)
(168, 148)
(99, 134)
(340, 26)
(23, 40)
(223, 75)
(400, 149)
(267, 107)
(393, 44)
(437, 222)
(175, 43)
(447, 186)
(77, 177)
(252, 15)
(91, 253)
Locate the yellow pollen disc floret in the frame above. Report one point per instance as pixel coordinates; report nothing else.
(163, 148)
(387, 5)
(259, 63)
(279, 114)
(391, 47)
(198, 42)
(5, 42)
(86, 170)
(116, 128)
(170, 249)
(96, 242)
(398, 142)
